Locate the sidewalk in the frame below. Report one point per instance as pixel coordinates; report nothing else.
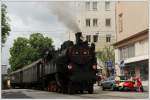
(145, 85)
(96, 87)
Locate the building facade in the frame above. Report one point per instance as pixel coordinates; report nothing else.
(131, 47)
(5, 78)
(97, 22)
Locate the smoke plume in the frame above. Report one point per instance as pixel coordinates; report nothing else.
(66, 14)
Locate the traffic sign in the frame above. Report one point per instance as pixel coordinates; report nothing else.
(109, 63)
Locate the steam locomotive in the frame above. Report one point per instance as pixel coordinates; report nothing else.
(71, 69)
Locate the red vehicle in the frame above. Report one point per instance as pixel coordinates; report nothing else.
(138, 85)
(128, 85)
(135, 85)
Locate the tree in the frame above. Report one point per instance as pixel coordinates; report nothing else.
(25, 51)
(106, 54)
(20, 44)
(4, 22)
(8, 71)
(40, 43)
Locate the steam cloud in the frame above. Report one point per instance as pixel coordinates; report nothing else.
(66, 14)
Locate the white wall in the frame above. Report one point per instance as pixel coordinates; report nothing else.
(117, 55)
(141, 47)
(101, 14)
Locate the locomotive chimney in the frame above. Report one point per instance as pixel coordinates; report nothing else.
(78, 37)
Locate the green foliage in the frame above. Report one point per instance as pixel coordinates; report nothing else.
(106, 54)
(40, 43)
(4, 22)
(9, 71)
(25, 51)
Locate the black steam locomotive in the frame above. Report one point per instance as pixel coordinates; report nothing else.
(70, 69)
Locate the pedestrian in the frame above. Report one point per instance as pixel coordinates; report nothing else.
(138, 85)
(99, 80)
(131, 78)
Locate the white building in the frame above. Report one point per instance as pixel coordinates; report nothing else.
(97, 22)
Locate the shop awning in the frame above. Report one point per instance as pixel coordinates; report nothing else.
(136, 59)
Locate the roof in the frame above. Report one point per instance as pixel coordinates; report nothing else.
(26, 67)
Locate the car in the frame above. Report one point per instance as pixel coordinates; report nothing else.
(111, 82)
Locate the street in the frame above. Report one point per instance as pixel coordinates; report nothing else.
(98, 94)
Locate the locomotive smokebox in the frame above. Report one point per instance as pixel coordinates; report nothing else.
(78, 37)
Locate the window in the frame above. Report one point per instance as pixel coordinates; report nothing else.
(95, 22)
(88, 38)
(127, 52)
(88, 22)
(144, 71)
(122, 53)
(131, 72)
(108, 38)
(131, 50)
(94, 5)
(87, 5)
(108, 22)
(120, 23)
(95, 38)
(143, 44)
(107, 5)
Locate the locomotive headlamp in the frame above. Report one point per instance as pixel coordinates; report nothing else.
(69, 66)
(94, 67)
(85, 52)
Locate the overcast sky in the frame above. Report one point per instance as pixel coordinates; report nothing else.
(28, 17)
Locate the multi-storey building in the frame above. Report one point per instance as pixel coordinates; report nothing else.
(97, 22)
(131, 48)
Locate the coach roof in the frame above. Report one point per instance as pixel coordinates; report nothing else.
(26, 67)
